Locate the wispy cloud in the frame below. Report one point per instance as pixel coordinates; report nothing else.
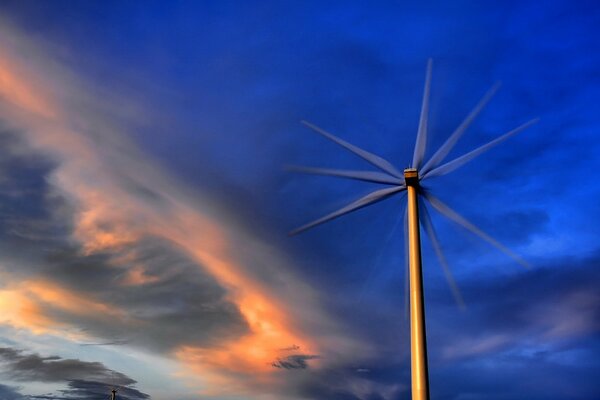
(136, 251)
(84, 379)
(33, 367)
(189, 268)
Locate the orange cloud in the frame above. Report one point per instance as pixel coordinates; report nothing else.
(271, 328)
(137, 276)
(100, 224)
(110, 215)
(18, 310)
(15, 90)
(51, 294)
(26, 305)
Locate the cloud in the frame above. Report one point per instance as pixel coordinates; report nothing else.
(345, 383)
(90, 223)
(91, 390)
(294, 361)
(150, 278)
(157, 287)
(84, 379)
(33, 367)
(475, 347)
(105, 245)
(550, 304)
(520, 328)
(10, 393)
(518, 226)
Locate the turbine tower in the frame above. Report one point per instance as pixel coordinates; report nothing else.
(416, 212)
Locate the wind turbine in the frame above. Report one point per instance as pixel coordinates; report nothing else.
(410, 181)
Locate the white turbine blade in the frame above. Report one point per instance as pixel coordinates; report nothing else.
(371, 198)
(365, 155)
(443, 151)
(367, 176)
(421, 142)
(437, 248)
(460, 161)
(460, 220)
(406, 266)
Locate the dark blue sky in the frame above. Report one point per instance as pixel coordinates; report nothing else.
(212, 95)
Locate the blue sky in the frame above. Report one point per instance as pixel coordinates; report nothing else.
(145, 205)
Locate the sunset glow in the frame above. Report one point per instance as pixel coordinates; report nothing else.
(150, 174)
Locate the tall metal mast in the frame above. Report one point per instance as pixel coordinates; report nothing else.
(418, 344)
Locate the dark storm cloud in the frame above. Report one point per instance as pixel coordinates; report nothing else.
(177, 303)
(84, 379)
(32, 367)
(92, 390)
(89, 390)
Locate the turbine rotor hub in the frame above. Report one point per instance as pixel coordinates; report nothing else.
(411, 177)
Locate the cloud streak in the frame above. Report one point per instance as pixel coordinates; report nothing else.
(193, 276)
(33, 367)
(137, 252)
